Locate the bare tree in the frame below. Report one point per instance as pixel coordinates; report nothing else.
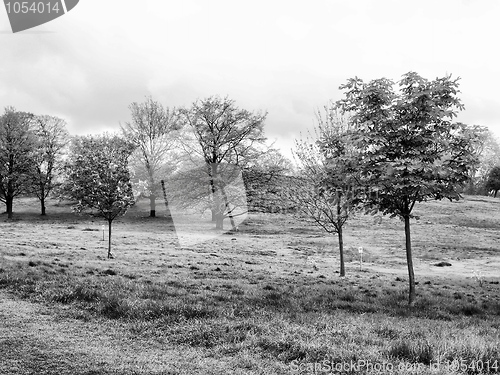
(325, 189)
(51, 137)
(225, 135)
(152, 132)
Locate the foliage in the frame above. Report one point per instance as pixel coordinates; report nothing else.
(411, 150)
(493, 182)
(487, 150)
(16, 149)
(265, 179)
(98, 177)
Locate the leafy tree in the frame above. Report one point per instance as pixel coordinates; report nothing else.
(51, 137)
(16, 148)
(98, 177)
(488, 152)
(225, 135)
(152, 132)
(493, 182)
(411, 150)
(323, 191)
(265, 179)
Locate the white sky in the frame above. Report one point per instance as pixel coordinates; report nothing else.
(284, 57)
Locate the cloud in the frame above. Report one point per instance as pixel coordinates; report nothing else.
(284, 57)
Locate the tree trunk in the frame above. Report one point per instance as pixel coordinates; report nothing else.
(152, 205)
(213, 175)
(109, 238)
(496, 191)
(230, 213)
(341, 249)
(219, 223)
(169, 213)
(339, 231)
(42, 203)
(42, 198)
(409, 261)
(9, 201)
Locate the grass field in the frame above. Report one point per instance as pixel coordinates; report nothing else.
(264, 300)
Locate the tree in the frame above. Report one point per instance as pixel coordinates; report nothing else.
(226, 136)
(487, 152)
(493, 182)
(151, 131)
(50, 140)
(265, 179)
(98, 177)
(16, 148)
(488, 159)
(323, 190)
(411, 150)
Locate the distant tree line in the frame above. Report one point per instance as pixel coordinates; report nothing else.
(105, 174)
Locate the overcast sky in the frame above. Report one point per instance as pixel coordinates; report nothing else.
(284, 57)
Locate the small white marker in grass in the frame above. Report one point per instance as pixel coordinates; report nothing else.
(360, 251)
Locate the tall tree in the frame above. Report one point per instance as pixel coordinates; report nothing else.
(152, 132)
(98, 177)
(411, 150)
(16, 149)
(226, 135)
(51, 138)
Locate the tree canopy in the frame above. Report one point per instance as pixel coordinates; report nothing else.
(98, 177)
(410, 148)
(16, 155)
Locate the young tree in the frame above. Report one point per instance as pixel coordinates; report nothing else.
(51, 137)
(152, 132)
(411, 150)
(98, 177)
(226, 135)
(16, 149)
(324, 190)
(493, 182)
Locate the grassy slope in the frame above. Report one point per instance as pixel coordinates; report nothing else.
(262, 301)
